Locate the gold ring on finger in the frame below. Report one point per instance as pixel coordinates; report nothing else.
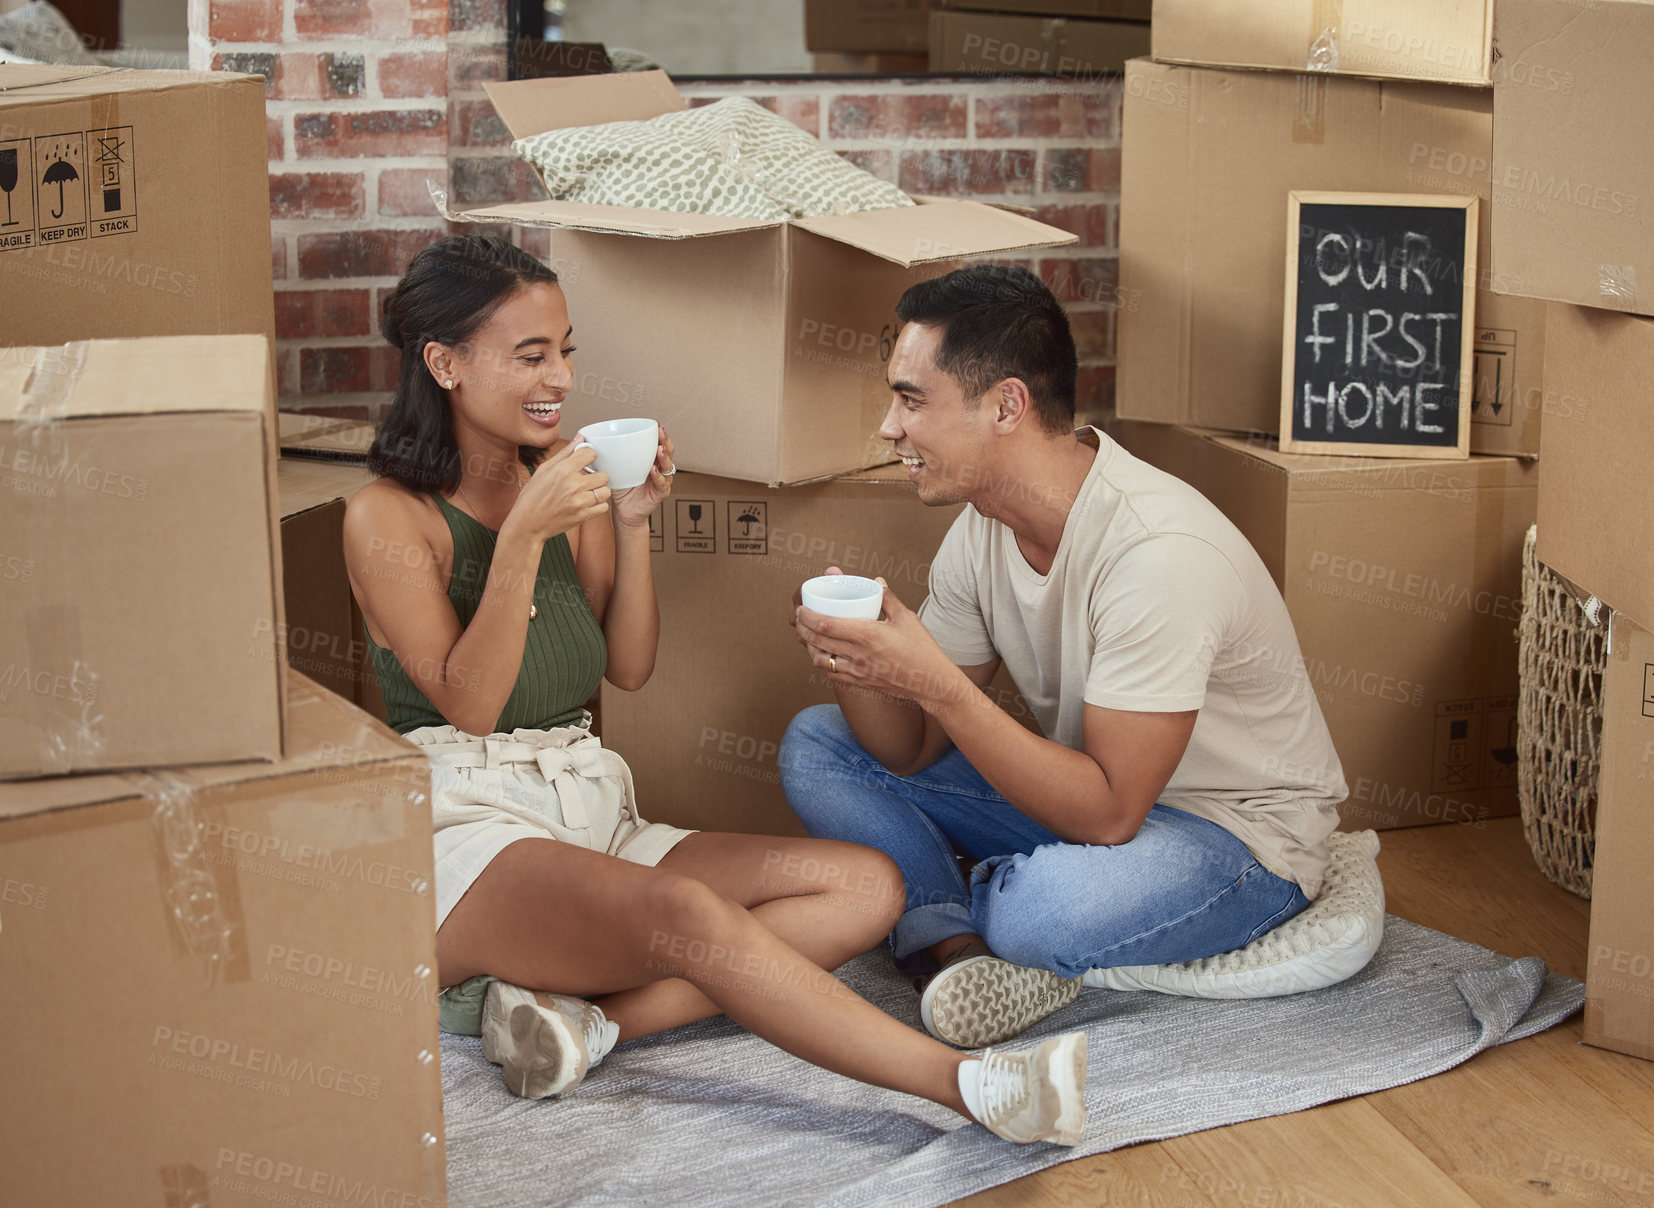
(832, 663)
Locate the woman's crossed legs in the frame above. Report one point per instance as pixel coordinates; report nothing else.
(746, 925)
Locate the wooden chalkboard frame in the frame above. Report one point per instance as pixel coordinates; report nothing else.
(1296, 199)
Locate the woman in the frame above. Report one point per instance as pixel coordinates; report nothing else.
(499, 579)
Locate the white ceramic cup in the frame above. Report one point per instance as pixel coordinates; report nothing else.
(625, 449)
(843, 596)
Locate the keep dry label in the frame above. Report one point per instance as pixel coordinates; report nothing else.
(56, 188)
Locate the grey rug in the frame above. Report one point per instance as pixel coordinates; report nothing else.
(710, 1115)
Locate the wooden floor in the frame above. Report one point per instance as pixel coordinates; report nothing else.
(1542, 1121)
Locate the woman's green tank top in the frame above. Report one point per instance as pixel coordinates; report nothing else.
(563, 656)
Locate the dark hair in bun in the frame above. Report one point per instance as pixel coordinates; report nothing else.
(450, 290)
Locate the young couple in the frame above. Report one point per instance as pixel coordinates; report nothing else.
(501, 579)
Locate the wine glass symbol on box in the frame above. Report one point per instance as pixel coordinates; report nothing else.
(16, 177)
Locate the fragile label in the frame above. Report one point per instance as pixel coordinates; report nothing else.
(697, 526)
(66, 187)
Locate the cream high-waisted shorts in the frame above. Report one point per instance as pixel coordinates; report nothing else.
(486, 793)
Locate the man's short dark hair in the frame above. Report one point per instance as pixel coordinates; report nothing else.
(1000, 322)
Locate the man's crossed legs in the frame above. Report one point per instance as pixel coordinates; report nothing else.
(1181, 889)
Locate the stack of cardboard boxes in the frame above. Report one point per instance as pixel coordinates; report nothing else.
(761, 348)
(1085, 39)
(860, 37)
(215, 877)
(1573, 176)
(1402, 576)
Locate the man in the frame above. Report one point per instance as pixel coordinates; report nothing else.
(1179, 799)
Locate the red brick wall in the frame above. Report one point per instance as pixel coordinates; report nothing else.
(370, 99)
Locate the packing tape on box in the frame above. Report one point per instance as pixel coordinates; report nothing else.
(1596, 612)
(1326, 18)
(62, 693)
(439, 198)
(1309, 115)
(203, 918)
(1618, 281)
(52, 379)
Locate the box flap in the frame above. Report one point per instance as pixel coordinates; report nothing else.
(29, 84)
(303, 484)
(156, 374)
(534, 106)
(17, 76)
(1401, 473)
(322, 436)
(941, 230)
(614, 220)
(323, 730)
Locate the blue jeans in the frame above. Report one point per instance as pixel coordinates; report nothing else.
(1180, 889)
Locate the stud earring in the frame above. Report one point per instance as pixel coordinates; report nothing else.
(449, 384)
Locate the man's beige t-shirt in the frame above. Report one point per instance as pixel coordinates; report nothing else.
(1155, 602)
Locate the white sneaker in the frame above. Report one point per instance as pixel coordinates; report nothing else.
(542, 1050)
(978, 1000)
(1035, 1095)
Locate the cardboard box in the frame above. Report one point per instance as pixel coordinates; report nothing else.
(1119, 10)
(1596, 503)
(1619, 1007)
(759, 345)
(992, 43)
(141, 626)
(324, 635)
(1403, 579)
(142, 206)
(1208, 161)
(728, 556)
(240, 961)
(1573, 152)
(1449, 41)
(323, 437)
(866, 25)
(869, 63)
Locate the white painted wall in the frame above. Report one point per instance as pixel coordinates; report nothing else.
(155, 24)
(698, 37)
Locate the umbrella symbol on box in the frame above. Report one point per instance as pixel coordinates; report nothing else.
(60, 172)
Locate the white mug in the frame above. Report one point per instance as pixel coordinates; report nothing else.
(625, 449)
(843, 596)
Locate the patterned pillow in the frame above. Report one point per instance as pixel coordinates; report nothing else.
(1333, 938)
(733, 158)
(38, 31)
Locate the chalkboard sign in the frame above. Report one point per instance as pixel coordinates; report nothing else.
(1380, 304)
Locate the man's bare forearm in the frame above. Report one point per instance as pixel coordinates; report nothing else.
(892, 730)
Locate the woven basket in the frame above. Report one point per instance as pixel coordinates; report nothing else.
(1559, 726)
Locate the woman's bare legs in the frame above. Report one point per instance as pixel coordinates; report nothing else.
(550, 916)
(831, 901)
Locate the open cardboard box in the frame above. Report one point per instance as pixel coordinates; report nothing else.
(224, 978)
(141, 614)
(759, 345)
